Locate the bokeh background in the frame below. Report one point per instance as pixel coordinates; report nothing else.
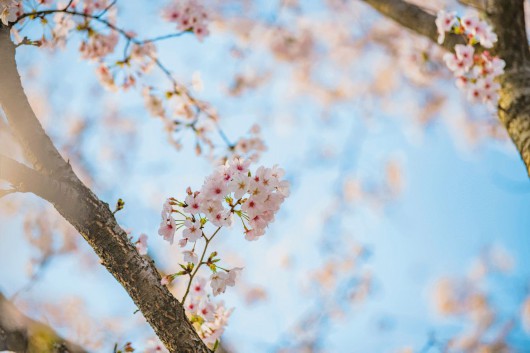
(403, 193)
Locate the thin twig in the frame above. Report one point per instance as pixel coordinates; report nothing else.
(107, 8)
(208, 240)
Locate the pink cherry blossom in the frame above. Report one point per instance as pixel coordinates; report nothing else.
(469, 22)
(191, 306)
(183, 242)
(483, 33)
(154, 105)
(141, 244)
(98, 46)
(222, 218)
(189, 15)
(253, 234)
(211, 331)
(240, 185)
(206, 310)
(475, 93)
(167, 280)
(444, 22)
(191, 257)
(193, 230)
(215, 188)
(167, 229)
(193, 202)
(198, 287)
(233, 274)
(218, 282)
(238, 166)
(105, 77)
(465, 54)
(10, 10)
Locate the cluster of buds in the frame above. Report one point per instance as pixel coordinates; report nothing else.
(189, 15)
(475, 72)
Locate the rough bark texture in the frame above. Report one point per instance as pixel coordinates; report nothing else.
(414, 18)
(20, 334)
(507, 18)
(37, 146)
(53, 179)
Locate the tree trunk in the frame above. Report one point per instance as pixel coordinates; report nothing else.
(53, 179)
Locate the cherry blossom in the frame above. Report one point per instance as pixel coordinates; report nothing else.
(480, 30)
(10, 10)
(167, 280)
(153, 104)
(209, 318)
(167, 229)
(207, 310)
(218, 281)
(64, 24)
(141, 244)
(98, 46)
(444, 23)
(105, 77)
(198, 287)
(191, 257)
(189, 15)
(193, 230)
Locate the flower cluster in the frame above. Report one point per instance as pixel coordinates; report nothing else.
(475, 72)
(140, 61)
(189, 15)
(252, 146)
(98, 45)
(208, 317)
(10, 10)
(232, 191)
(64, 24)
(96, 22)
(475, 29)
(232, 185)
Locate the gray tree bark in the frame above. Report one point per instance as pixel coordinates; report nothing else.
(20, 334)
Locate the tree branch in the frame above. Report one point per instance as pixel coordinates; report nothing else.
(38, 147)
(507, 18)
(20, 334)
(477, 4)
(53, 180)
(25, 179)
(414, 18)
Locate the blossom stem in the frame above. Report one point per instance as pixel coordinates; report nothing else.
(192, 275)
